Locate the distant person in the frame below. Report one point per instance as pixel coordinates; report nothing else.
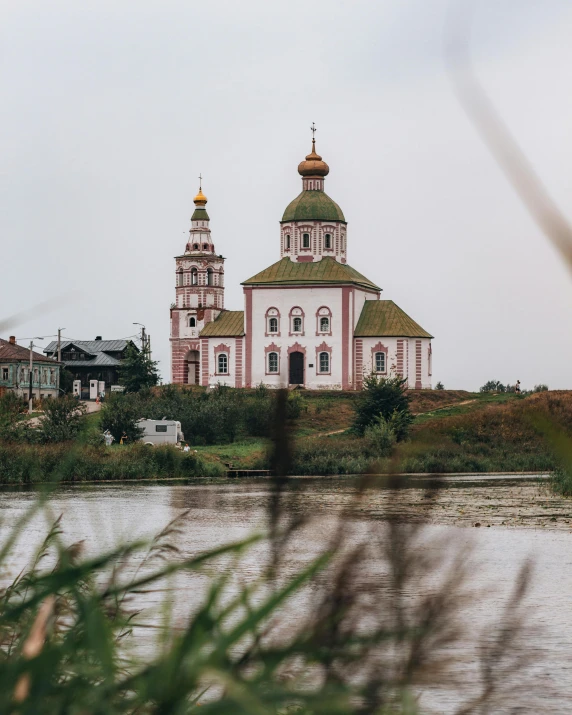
(108, 438)
(186, 448)
(123, 439)
(517, 386)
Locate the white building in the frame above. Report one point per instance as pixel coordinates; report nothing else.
(309, 319)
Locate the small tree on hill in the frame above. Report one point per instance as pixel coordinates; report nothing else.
(493, 386)
(137, 370)
(62, 419)
(386, 397)
(540, 388)
(439, 386)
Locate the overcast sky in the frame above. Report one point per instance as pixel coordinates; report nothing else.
(110, 110)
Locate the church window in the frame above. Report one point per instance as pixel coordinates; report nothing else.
(205, 246)
(179, 278)
(195, 246)
(324, 325)
(194, 276)
(297, 325)
(210, 277)
(328, 241)
(324, 362)
(222, 364)
(305, 240)
(272, 362)
(272, 325)
(379, 362)
(287, 241)
(192, 322)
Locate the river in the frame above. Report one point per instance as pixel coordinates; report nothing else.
(518, 519)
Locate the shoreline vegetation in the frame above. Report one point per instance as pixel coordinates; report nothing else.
(451, 432)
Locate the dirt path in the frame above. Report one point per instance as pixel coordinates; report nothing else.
(445, 407)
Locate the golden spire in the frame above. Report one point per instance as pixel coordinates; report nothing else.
(200, 199)
(313, 165)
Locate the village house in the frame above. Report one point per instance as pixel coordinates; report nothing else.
(91, 359)
(15, 371)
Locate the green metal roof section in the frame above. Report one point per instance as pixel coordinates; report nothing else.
(313, 206)
(200, 215)
(328, 270)
(382, 318)
(229, 324)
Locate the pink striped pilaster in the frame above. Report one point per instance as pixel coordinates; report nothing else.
(346, 290)
(248, 341)
(400, 351)
(359, 363)
(418, 381)
(204, 362)
(238, 366)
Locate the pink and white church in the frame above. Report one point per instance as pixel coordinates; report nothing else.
(310, 319)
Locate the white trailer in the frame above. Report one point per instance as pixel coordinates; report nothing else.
(160, 432)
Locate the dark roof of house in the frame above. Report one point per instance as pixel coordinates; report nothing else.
(328, 270)
(18, 353)
(382, 318)
(313, 206)
(229, 324)
(99, 349)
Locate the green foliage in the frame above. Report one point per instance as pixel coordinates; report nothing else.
(11, 406)
(493, 386)
(386, 397)
(137, 370)
(66, 381)
(119, 415)
(540, 388)
(380, 435)
(61, 420)
(439, 386)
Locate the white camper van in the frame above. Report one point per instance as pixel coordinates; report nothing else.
(160, 432)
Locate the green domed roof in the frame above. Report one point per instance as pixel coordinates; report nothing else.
(313, 206)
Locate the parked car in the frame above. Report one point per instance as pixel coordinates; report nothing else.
(160, 432)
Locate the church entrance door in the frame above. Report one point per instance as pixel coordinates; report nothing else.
(296, 369)
(192, 361)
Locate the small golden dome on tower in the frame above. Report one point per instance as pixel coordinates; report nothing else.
(313, 165)
(200, 199)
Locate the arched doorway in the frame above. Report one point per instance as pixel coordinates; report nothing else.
(296, 369)
(192, 362)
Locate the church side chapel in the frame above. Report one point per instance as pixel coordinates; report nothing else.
(310, 319)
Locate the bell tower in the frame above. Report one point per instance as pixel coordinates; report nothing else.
(199, 294)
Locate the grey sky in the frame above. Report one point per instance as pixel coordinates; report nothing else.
(111, 109)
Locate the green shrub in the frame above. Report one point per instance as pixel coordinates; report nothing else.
(61, 420)
(386, 397)
(380, 435)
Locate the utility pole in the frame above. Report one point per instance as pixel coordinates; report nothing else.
(143, 339)
(30, 393)
(59, 360)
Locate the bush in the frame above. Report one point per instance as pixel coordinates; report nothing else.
(119, 415)
(493, 386)
(439, 386)
(62, 419)
(540, 388)
(386, 397)
(380, 436)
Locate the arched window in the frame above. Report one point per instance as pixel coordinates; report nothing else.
(192, 322)
(379, 362)
(328, 241)
(324, 362)
(305, 240)
(272, 362)
(179, 278)
(205, 246)
(222, 364)
(297, 325)
(210, 277)
(272, 325)
(287, 241)
(195, 246)
(324, 324)
(194, 276)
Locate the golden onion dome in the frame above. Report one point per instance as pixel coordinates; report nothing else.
(200, 199)
(313, 164)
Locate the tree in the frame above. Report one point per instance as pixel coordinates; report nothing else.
(540, 388)
(439, 386)
(119, 415)
(62, 419)
(137, 370)
(66, 380)
(386, 397)
(493, 386)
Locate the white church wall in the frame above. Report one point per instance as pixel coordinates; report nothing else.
(410, 357)
(310, 340)
(214, 347)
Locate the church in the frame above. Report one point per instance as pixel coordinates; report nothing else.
(309, 320)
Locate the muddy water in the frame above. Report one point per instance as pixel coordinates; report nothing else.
(517, 519)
